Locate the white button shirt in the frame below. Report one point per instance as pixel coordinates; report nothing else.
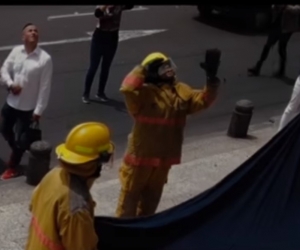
(33, 72)
(293, 107)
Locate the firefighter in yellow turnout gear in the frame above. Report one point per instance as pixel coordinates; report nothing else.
(62, 207)
(159, 105)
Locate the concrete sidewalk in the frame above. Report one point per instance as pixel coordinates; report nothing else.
(206, 160)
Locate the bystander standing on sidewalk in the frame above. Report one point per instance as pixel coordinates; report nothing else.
(27, 74)
(285, 22)
(103, 47)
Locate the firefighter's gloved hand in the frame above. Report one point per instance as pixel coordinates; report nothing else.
(211, 63)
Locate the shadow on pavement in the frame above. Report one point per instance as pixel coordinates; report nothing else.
(118, 105)
(250, 137)
(286, 80)
(230, 25)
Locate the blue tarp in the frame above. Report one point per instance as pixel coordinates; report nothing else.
(256, 207)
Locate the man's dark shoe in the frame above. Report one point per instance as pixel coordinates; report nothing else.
(253, 71)
(85, 100)
(102, 97)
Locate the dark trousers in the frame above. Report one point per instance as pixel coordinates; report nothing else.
(13, 124)
(103, 47)
(275, 36)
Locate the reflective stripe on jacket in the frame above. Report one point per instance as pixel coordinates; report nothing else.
(159, 115)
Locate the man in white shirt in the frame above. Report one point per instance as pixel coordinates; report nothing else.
(293, 107)
(27, 74)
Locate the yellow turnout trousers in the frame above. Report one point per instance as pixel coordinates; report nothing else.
(141, 190)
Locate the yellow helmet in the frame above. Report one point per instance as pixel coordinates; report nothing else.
(84, 143)
(154, 56)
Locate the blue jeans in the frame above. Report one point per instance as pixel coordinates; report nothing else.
(103, 47)
(13, 124)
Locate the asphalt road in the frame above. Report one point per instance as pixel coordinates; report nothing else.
(185, 41)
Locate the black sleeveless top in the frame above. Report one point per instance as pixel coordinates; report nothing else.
(109, 23)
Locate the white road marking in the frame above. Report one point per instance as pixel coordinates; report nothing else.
(124, 35)
(130, 34)
(77, 14)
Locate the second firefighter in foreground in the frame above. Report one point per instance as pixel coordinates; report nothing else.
(62, 206)
(159, 105)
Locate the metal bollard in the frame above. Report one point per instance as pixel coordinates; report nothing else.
(39, 162)
(240, 119)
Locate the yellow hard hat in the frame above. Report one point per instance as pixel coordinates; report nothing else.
(154, 56)
(85, 143)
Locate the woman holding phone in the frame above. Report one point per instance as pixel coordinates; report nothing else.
(103, 47)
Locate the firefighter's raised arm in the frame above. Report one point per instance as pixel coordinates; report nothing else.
(203, 98)
(132, 88)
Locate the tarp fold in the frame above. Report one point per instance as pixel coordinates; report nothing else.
(257, 206)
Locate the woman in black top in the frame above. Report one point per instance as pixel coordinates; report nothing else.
(103, 47)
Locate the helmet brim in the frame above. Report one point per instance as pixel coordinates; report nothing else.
(70, 157)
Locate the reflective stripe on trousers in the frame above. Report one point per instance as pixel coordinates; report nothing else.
(133, 160)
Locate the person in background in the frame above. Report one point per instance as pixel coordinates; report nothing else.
(293, 107)
(159, 105)
(285, 23)
(103, 47)
(27, 74)
(62, 207)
